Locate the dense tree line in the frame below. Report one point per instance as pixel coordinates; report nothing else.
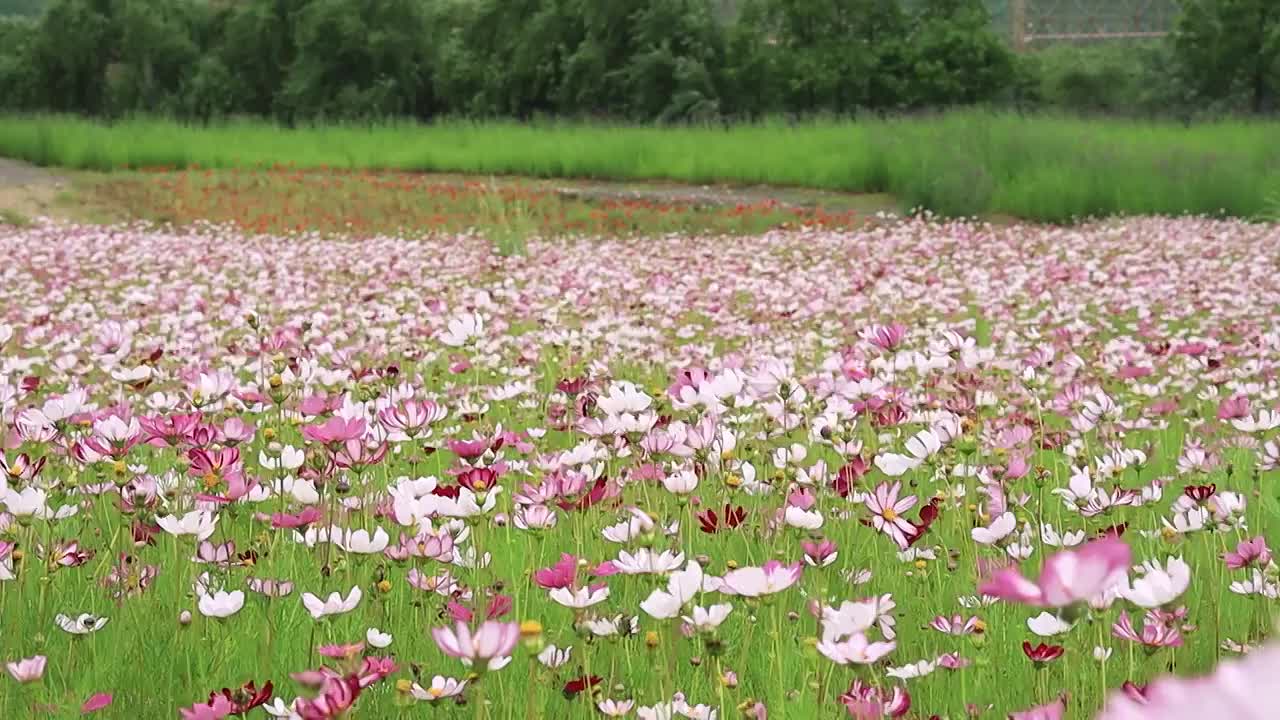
(668, 60)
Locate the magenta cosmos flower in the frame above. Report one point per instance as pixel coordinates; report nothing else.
(1236, 690)
(1068, 577)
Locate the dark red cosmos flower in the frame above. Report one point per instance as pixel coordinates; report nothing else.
(598, 492)
(1114, 530)
(449, 491)
(337, 695)
(1042, 653)
(1200, 493)
(1136, 693)
(732, 517)
(478, 479)
(144, 533)
(849, 475)
(575, 686)
(572, 386)
(928, 514)
(244, 698)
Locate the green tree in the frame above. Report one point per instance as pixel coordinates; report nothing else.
(1231, 48)
(955, 58)
(358, 60)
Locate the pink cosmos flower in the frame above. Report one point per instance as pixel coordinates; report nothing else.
(336, 430)
(95, 702)
(773, 577)
(493, 641)
(1247, 553)
(28, 669)
(1056, 710)
(884, 337)
(1238, 690)
(819, 554)
(867, 702)
(855, 649)
(1068, 577)
(955, 625)
(560, 575)
(357, 455)
(236, 431)
(888, 513)
(303, 518)
(1153, 635)
(216, 708)
(1236, 406)
(341, 652)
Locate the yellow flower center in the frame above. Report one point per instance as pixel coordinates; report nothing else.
(210, 480)
(435, 692)
(890, 514)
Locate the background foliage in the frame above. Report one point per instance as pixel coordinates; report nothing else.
(639, 60)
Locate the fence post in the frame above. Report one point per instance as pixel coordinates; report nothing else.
(1018, 24)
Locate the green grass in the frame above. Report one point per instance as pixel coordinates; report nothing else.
(13, 217)
(964, 163)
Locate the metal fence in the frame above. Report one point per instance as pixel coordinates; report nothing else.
(1034, 22)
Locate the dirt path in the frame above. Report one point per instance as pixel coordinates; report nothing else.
(27, 191)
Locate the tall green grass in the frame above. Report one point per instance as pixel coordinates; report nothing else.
(963, 163)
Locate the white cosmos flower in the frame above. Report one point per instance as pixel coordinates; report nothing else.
(553, 657)
(377, 638)
(335, 604)
(200, 523)
(278, 708)
(615, 708)
(1101, 654)
(1047, 625)
(1049, 536)
(581, 597)
(290, 458)
(33, 502)
(360, 542)
(616, 625)
(682, 586)
(803, 519)
(895, 464)
(462, 329)
(708, 619)
(997, 531)
(221, 604)
(82, 624)
(441, 687)
(624, 532)
(1158, 585)
(914, 670)
(1261, 421)
(624, 398)
(681, 482)
(647, 561)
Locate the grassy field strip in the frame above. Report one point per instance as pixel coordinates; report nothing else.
(963, 163)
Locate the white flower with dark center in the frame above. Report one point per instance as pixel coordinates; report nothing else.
(82, 624)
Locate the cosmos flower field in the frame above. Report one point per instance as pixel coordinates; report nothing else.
(918, 470)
